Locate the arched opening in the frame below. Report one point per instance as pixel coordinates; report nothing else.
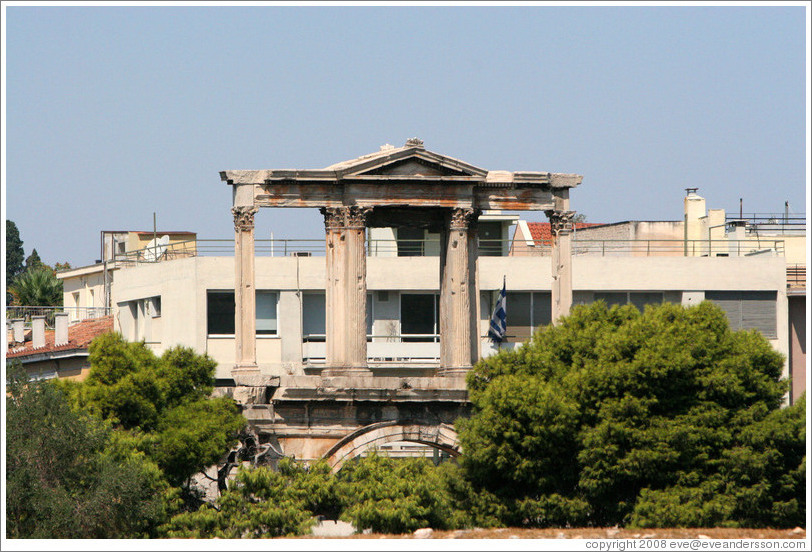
(439, 436)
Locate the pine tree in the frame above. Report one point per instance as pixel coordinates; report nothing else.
(14, 255)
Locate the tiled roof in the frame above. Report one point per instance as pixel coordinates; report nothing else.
(151, 232)
(540, 231)
(79, 337)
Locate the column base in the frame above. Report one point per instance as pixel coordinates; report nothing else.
(459, 371)
(346, 372)
(246, 374)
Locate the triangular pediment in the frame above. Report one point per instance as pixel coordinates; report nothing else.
(414, 166)
(409, 162)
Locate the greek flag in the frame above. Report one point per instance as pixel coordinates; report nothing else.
(498, 327)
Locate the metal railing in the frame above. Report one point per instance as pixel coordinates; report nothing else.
(770, 218)
(796, 276)
(390, 338)
(772, 223)
(677, 248)
(490, 247)
(75, 314)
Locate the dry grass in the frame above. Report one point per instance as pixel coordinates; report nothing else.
(603, 533)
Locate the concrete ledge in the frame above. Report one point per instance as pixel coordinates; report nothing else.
(451, 382)
(254, 379)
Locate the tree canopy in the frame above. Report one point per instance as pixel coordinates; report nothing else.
(616, 416)
(37, 287)
(63, 478)
(33, 262)
(163, 401)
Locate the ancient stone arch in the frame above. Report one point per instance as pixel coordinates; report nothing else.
(441, 436)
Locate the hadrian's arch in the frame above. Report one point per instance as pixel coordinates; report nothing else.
(440, 436)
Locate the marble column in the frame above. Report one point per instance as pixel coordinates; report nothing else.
(561, 229)
(355, 287)
(346, 290)
(457, 292)
(244, 291)
(334, 286)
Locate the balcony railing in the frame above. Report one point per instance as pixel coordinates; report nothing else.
(487, 247)
(678, 248)
(75, 314)
(796, 276)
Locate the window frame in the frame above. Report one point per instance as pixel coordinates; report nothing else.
(221, 291)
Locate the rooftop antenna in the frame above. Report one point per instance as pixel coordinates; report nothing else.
(740, 208)
(155, 232)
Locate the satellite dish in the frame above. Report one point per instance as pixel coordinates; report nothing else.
(156, 248)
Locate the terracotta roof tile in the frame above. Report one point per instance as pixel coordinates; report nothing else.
(79, 337)
(541, 234)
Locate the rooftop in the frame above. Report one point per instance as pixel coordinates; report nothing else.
(541, 233)
(79, 337)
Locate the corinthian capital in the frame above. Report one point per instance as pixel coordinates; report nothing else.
(461, 219)
(243, 217)
(560, 221)
(357, 216)
(333, 217)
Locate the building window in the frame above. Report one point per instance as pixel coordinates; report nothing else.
(418, 317)
(526, 311)
(637, 298)
(748, 310)
(490, 239)
(411, 242)
(266, 312)
(154, 306)
(313, 317)
(220, 312)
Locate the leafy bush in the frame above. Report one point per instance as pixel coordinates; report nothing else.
(614, 416)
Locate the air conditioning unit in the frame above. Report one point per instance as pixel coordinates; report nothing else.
(301, 254)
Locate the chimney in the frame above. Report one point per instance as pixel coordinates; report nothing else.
(18, 329)
(61, 325)
(38, 331)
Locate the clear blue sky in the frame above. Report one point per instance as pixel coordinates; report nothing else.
(114, 112)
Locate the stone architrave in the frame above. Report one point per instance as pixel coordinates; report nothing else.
(561, 229)
(457, 291)
(244, 291)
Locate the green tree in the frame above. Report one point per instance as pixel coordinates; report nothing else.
(14, 255)
(33, 262)
(63, 480)
(38, 287)
(391, 495)
(262, 502)
(164, 402)
(615, 416)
